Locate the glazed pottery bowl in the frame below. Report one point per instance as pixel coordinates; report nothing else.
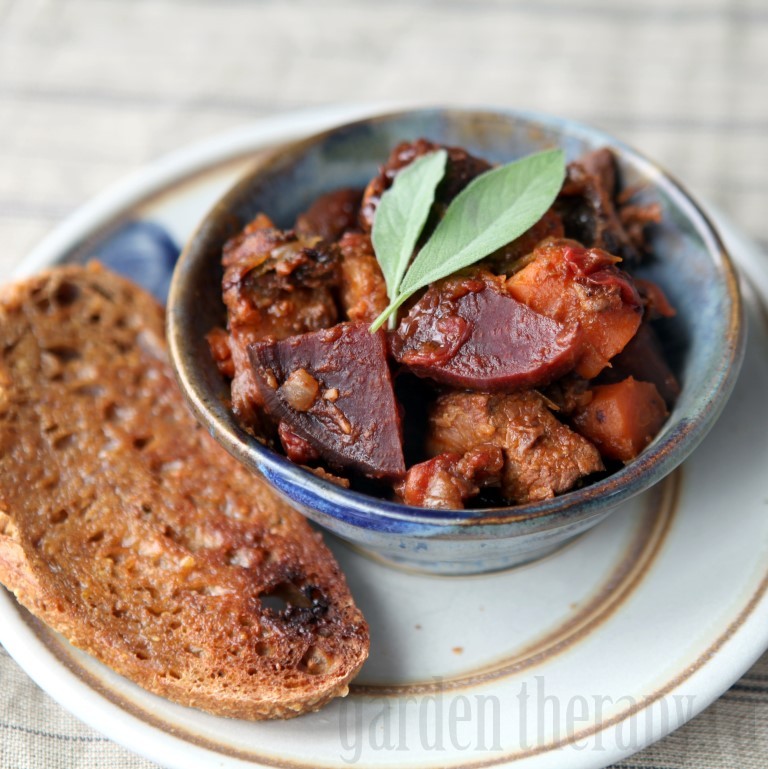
(704, 341)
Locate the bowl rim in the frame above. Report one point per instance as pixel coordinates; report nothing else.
(662, 456)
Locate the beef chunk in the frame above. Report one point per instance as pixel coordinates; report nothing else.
(567, 394)
(587, 205)
(467, 331)
(278, 284)
(363, 289)
(461, 169)
(542, 457)
(275, 285)
(333, 390)
(330, 215)
(655, 302)
(448, 480)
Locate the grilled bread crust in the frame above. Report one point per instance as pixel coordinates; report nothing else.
(125, 527)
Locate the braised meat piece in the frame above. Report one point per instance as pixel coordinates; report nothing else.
(363, 291)
(567, 394)
(275, 285)
(575, 285)
(221, 352)
(296, 448)
(461, 168)
(278, 284)
(330, 215)
(655, 302)
(448, 480)
(513, 377)
(333, 390)
(589, 212)
(468, 331)
(542, 457)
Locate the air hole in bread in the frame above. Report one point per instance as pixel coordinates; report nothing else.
(283, 595)
(64, 442)
(168, 531)
(94, 318)
(59, 517)
(315, 662)
(116, 557)
(90, 390)
(141, 442)
(67, 293)
(142, 655)
(115, 413)
(64, 353)
(95, 538)
(263, 649)
(10, 346)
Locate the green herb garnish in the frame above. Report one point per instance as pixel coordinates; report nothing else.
(494, 209)
(401, 214)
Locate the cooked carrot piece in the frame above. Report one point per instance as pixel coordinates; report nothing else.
(572, 284)
(622, 418)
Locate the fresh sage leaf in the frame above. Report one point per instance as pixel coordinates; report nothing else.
(494, 209)
(400, 217)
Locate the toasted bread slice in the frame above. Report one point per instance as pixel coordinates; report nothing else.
(125, 527)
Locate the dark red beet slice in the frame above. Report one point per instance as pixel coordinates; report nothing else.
(468, 332)
(333, 389)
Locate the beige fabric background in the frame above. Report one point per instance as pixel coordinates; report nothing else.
(90, 90)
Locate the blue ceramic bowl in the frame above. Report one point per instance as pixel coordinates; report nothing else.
(705, 340)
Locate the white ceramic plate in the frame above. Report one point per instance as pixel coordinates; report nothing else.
(577, 660)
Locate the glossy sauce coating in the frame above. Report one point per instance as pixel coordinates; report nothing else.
(469, 332)
(508, 382)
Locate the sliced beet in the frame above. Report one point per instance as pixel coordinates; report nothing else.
(468, 332)
(350, 416)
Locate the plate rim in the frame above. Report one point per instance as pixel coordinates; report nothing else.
(710, 679)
